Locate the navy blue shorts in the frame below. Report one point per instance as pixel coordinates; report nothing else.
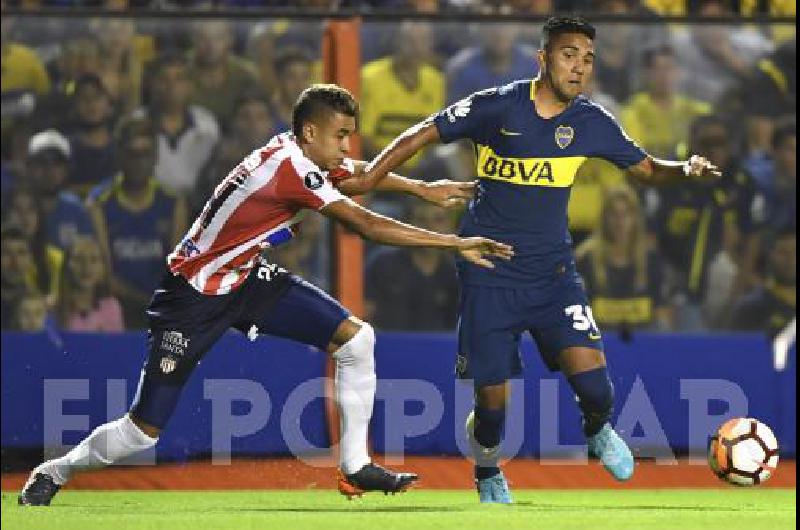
(493, 319)
(184, 324)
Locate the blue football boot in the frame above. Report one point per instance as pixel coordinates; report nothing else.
(613, 452)
(494, 489)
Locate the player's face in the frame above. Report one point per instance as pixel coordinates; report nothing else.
(328, 142)
(567, 64)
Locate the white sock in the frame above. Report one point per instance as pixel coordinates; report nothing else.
(106, 444)
(355, 394)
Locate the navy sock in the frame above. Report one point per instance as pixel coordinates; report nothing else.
(482, 473)
(595, 398)
(489, 426)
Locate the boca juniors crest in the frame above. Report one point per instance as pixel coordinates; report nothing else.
(564, 136)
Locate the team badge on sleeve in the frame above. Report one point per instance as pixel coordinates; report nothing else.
(313, 180)
(564, 136)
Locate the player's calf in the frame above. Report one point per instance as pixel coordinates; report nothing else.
(484, 429)
(595, 399)
(355, 385)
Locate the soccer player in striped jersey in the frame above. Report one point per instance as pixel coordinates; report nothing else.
(216, 279)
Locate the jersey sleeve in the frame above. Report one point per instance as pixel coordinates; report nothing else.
(470, 118)
(303, 185)
(613, 144)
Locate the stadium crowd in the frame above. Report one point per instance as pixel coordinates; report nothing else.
(115, 130)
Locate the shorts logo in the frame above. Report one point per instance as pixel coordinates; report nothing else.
(313, 180)
(564, 136)
(175, 343)
(168, 364)
(461, 365)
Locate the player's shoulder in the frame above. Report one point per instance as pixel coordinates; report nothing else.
(592, 110)
(503, 96)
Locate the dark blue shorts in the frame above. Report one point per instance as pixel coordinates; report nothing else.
(184, 324)
(493, 319)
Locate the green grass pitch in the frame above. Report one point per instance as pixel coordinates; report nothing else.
(728, 509)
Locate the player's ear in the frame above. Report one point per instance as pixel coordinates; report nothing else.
(309, 132)
(541, 56)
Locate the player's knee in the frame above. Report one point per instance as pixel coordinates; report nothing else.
(360, 348)
(347, 330)
(150, 430)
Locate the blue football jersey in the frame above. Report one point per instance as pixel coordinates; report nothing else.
(526, 166)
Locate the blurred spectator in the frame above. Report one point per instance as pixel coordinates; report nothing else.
(400, 90)
(593, 179)
(65, 216)
(250, 128)
(768, 95)
(85, 303)
(414, 289)
(30, 314)
(91, 144)
(717, 55)
(218, 76)
(772, 306)
(775, 200)
(122, 57)
(498, 61)
(79, 56)
(306, 254)
(17, 272)
(620, 46)
(623, 275)
(137, 222)
(710, 135)
(187, 134)
(697, 225)
(24, 79)
(774, 197)
(659, 117)
(24, 212)
(294, 73)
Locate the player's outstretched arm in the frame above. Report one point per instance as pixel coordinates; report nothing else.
(387, 231)
(444, 193)
(652, 171)
(369, 175)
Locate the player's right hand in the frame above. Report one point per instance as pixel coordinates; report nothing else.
(478, 249)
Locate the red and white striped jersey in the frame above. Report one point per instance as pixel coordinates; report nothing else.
(259, 204)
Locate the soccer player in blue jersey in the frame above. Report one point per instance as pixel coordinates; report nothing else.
(530, 138)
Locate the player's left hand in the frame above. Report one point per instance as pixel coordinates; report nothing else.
(699, 168)
(448, 193)
(478, 250)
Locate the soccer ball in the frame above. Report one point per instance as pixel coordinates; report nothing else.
(744, 452)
